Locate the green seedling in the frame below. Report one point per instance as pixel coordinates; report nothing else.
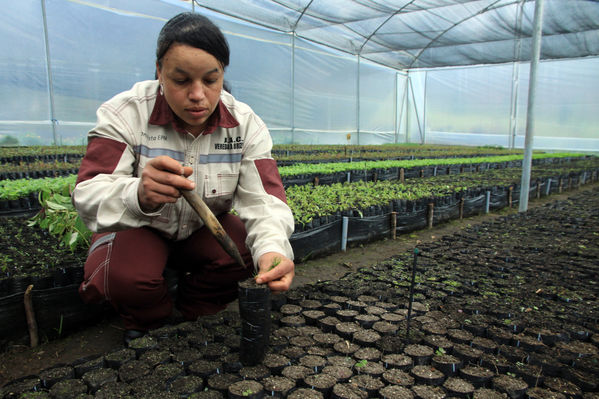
(275, 262)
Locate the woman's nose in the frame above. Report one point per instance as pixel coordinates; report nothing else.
(196, 91)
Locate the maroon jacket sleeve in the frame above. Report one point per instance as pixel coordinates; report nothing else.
(102, 156)
(271, 179)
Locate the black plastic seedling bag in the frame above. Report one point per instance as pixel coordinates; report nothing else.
(254, 310)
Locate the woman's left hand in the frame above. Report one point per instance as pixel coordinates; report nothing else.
(280, 276)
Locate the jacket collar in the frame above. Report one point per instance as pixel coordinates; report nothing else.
(163, 115)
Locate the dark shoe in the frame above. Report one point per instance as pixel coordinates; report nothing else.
(130, 335)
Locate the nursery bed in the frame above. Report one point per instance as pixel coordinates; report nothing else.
(512, 302)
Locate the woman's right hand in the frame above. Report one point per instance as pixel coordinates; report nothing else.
(161, 180)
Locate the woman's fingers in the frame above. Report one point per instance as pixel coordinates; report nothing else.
(277, 271)
(161, 180)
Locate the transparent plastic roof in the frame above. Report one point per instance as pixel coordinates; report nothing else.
(405, 34)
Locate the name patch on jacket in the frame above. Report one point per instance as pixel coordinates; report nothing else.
(159, 137)
(230, 143)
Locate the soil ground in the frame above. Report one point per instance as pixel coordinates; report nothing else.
(19, 361)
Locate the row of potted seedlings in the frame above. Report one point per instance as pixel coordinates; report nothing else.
(481, 326)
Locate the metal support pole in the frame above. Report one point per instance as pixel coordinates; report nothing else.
(516, 79)
(416, 111)
(532, 84)
(49, 75)
(344, 226)
(395, 113)
(293, 88)
(358, 103)
(407, 108)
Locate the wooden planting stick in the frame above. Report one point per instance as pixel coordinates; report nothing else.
(30, 315)
(213, 225)
(393, 225)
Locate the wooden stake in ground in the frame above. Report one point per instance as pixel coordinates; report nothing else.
(30, 314)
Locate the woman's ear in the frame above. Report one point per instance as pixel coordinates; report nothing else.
(157, 73)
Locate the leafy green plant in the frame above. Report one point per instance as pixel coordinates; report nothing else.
(59, 217)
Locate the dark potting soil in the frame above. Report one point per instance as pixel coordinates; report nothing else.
(542, 393)
(97, 378)
(321, 351)
(428, 392)
(458, 387)
(447, 364)
(305, 393)
(420, 354)
(340, 373)
(514, 387)
(257, 372)
(246, 389)
(51, 376)
(186, 385)
(397, 377)
(345, 347)
(427, 375)
(486, 393)
(373, 368)
(395, 392)
(209, 394)
(347, 390)
(321, 382)
(368, 353)
(476, 375)
(296, 372)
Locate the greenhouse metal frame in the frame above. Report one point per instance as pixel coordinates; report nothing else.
(321, 71)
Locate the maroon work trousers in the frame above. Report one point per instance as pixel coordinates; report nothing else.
(126, 268)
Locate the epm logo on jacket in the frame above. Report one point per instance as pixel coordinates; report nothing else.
(230, 143)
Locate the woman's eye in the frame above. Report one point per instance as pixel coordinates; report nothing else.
(180, 81)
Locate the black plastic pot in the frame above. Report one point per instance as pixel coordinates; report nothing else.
(254, 309)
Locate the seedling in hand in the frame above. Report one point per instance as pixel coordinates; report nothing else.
(275, 262)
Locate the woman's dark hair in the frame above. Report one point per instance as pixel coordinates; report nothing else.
(194, 30)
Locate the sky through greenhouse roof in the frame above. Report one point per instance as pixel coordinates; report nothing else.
(407, 34)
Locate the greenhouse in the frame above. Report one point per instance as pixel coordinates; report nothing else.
(362, 199)
(436, 72)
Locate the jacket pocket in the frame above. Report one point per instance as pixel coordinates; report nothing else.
(220, 184)
(219, 190)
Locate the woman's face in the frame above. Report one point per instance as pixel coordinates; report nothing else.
(192, 80)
